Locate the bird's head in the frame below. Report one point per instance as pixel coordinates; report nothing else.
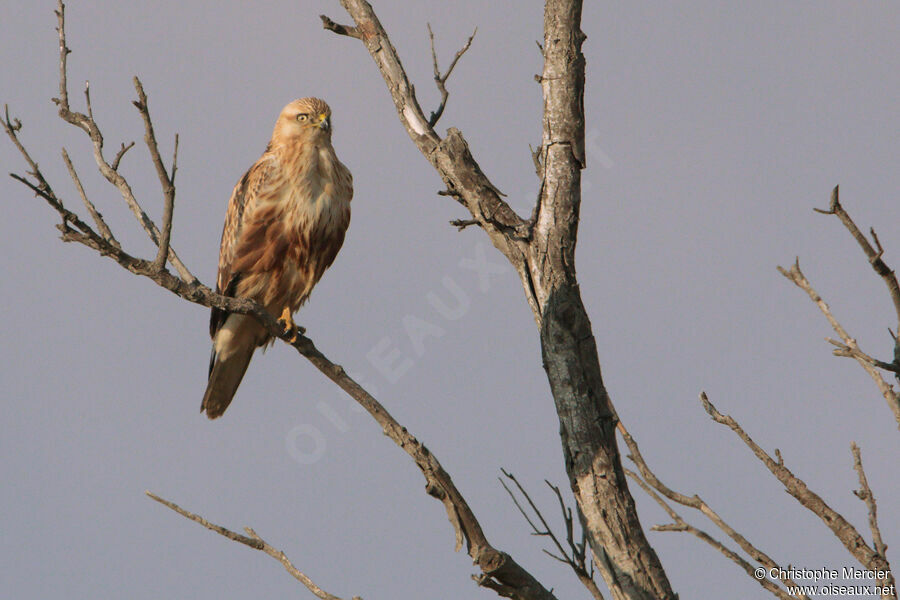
(307, 119)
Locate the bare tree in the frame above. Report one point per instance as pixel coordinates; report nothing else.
(541, 248)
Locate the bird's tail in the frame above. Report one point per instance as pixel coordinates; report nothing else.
(224, 378)
(233, 346)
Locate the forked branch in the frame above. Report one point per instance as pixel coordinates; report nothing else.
(650, 483)
(441, 80)
(874, 254)
(870, 558)
(86, 123)
(576, 555)
(848, 345)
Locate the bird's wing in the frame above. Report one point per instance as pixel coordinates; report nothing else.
(257, 180)
(333, 243)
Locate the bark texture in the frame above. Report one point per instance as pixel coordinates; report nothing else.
(622, 554)
(542, 250)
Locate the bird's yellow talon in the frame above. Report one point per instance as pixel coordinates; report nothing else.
(290, 328)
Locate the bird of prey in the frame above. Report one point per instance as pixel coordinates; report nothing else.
(285, 223)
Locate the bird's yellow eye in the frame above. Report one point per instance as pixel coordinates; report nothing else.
(302, 117)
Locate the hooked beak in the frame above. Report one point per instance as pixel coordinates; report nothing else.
(324, 122)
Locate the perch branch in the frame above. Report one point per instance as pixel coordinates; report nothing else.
(253, 541)
(499, 570)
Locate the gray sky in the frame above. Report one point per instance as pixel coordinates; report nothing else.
(713, 130)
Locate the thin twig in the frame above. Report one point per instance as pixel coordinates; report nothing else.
(42, 188)
(680, 525)
(865, 494)
(12, 127)
(339, 29)
(87, 100)
(697, 503)
(576, 560)
(87, 124)
(795, 275)
(166, 180)
(120, 154)
(873, 254)
(441, 80)
(254, 541)
(843, 349)
(461, 224)
(95, 214)
(796, 487)
(231, 535)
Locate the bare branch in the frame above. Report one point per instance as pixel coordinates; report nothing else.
(680, 525)
(450, 156)
(865, 494)
(166, 180)
(120, 154)
(873, 254)
(87, 124)
(42, 188)
(64, 51)
(499, 570)
(254, 541)
(892, 398)
(231, 535)
(461, 224)
(696, 502)
(441, 80)
(340, 29)
(576, 559)
(12, 127)
(542, 252)
(95, 214)
(796, 487)
(854, 352)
